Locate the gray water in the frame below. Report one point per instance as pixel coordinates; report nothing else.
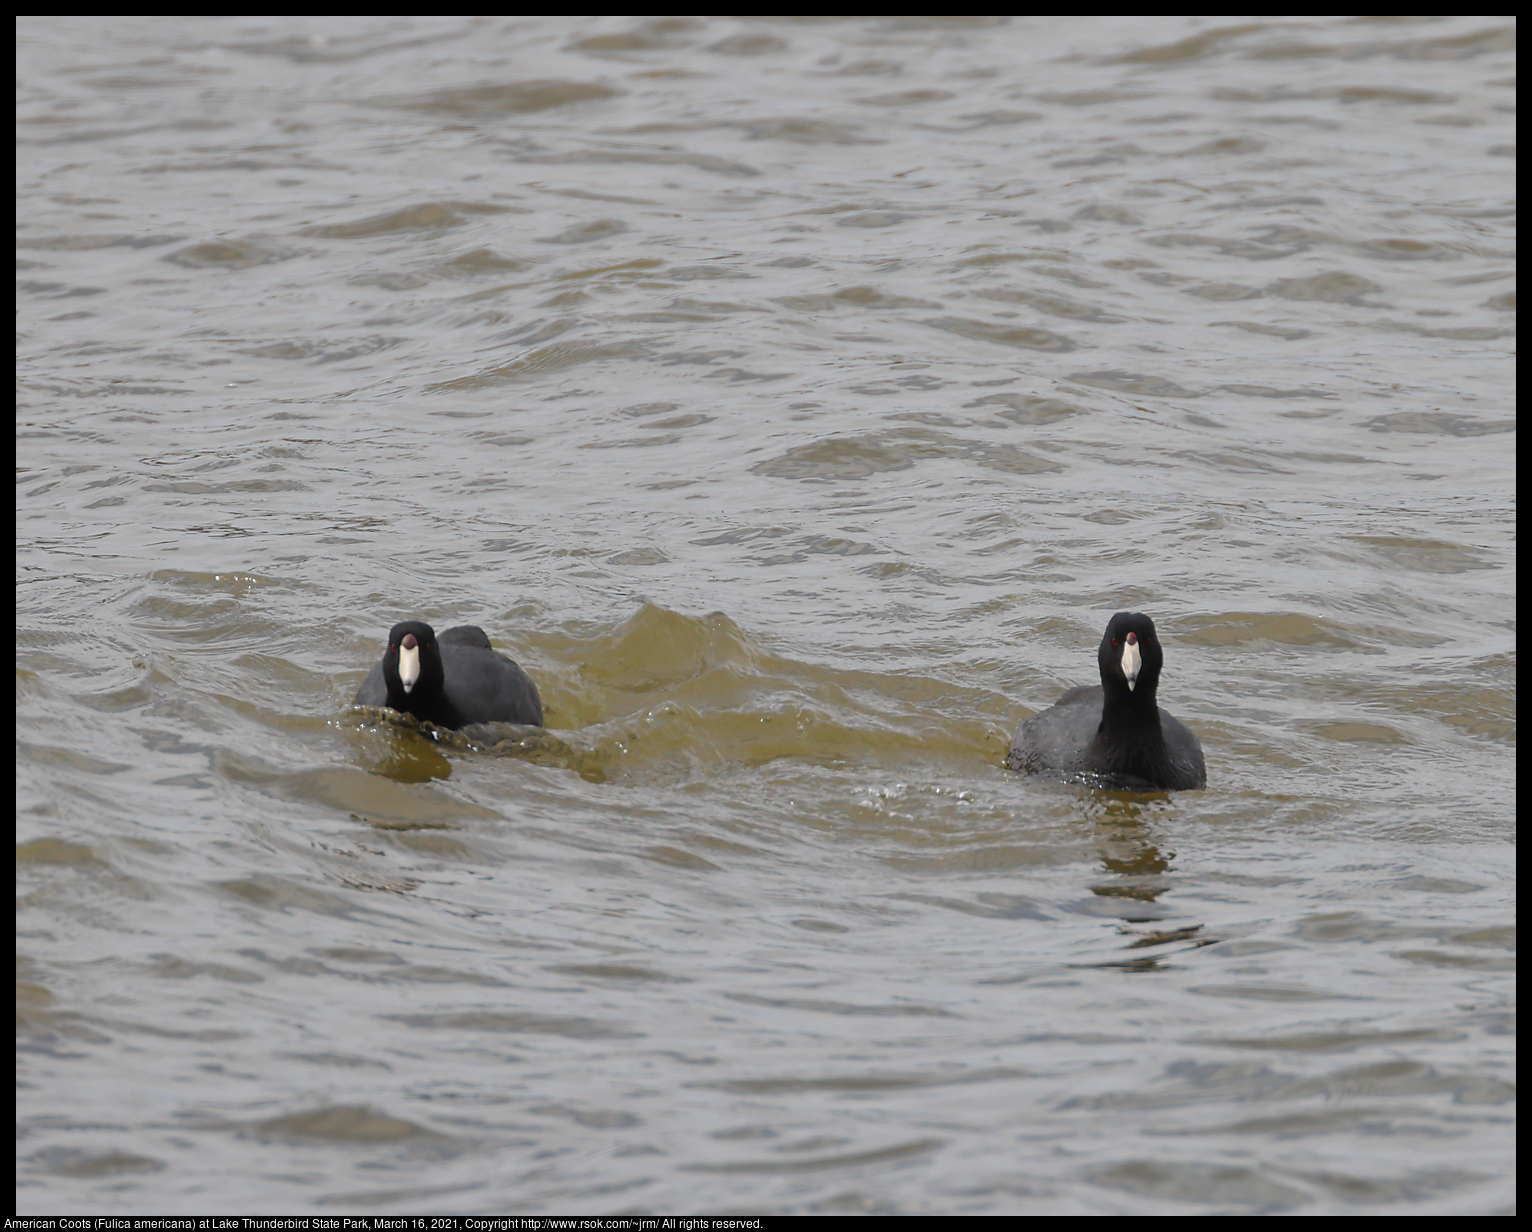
(795, 400)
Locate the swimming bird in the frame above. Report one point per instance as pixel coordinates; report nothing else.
(453, 680)
(1116, 732)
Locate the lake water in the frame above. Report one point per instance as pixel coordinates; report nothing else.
(795, 400)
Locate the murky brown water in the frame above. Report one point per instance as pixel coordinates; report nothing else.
(795, 400)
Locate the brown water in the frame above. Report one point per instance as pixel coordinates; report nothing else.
(795, 400)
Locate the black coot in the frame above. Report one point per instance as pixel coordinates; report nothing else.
(1116, 731)
(452, 680)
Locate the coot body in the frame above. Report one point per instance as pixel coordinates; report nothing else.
(451, 680)
(1116, 732)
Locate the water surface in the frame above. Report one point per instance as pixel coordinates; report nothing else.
(795, 400)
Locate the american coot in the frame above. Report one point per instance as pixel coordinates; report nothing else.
(455, 679)
(1116, 731)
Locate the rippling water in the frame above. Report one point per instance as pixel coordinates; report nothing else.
(795, 400)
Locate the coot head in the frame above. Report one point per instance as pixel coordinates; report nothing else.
(1131, 657)
(412, 664)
